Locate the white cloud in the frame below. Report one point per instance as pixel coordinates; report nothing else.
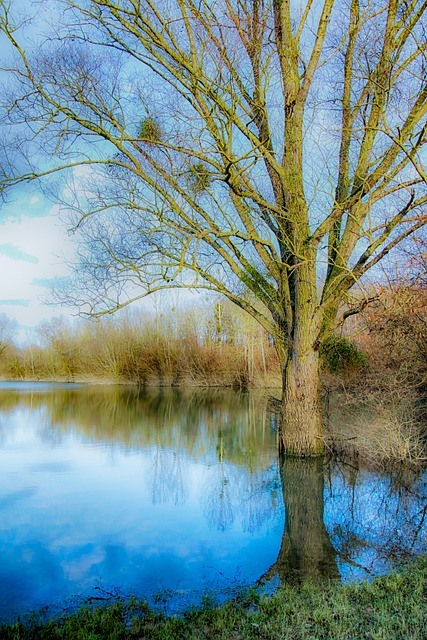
(46, 239)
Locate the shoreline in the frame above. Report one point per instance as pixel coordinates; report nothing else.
(392, 606)
(369, 429)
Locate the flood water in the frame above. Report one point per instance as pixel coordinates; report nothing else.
(172, 495)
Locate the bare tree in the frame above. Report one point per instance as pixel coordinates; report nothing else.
(8, 330)
(268, 150)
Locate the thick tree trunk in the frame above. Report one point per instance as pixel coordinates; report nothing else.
(301, 425)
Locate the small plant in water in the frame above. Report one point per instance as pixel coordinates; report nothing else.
(209, 600)
(162, 597)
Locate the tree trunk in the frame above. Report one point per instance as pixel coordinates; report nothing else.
(301, 424)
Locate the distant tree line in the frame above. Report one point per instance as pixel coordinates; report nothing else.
(383, 350)
(200, 346)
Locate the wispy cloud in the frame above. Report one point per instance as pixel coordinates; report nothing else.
(15, 303)
(48, 283)
(24, 206)
(15, 253)
(17, 217)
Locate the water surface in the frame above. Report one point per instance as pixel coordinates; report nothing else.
(145, 491)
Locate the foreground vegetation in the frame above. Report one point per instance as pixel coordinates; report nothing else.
(391, 607)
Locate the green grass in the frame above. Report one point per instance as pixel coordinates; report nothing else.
(391, 607)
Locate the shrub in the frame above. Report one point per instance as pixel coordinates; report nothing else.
(339, 355)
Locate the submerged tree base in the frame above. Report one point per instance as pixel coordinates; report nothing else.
(392, 606)
(302, 435)
(301, 418)
(300, 446)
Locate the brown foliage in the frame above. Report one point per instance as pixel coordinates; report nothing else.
(395, 337)
(191, 347)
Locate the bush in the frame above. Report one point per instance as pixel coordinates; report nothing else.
(339, 355)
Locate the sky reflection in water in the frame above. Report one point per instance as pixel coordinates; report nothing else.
(149, 490)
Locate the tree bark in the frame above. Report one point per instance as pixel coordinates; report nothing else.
(301, 422)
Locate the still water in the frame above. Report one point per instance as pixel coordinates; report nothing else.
(180, 494)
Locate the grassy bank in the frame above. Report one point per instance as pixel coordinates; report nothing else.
(391, 607)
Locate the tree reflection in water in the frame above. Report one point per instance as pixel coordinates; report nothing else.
(218, 506)
(361, 524)
(306, 549)
(383, 521)
(209, 459)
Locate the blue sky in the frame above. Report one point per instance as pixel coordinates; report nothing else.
(33, 242)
